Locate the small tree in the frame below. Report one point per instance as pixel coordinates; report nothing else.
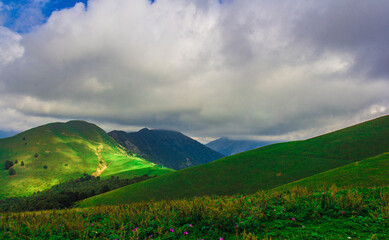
(36, 155)
(12, 171)
(22, 163)
(16, 161)
(8, 165)
(45, 167)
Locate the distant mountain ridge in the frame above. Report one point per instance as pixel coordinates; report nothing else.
(230, 147)
(165, 147)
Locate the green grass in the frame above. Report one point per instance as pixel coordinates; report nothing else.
(68, 150)
(263, 168)
(366, 173)
(297, 214)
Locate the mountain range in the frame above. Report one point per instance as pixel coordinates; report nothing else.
(168, 148)
(44, 156)
(266, 167)
(229, 147)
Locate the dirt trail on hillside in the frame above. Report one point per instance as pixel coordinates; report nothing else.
(102, 164)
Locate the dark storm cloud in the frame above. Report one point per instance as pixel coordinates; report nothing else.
(354, 27)
(255, 69)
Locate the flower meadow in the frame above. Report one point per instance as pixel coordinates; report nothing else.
(361, 213)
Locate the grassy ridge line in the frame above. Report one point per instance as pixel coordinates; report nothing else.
(262, 168)
(370, 172)
(68, 150)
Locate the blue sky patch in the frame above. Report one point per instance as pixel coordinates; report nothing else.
(22, 15)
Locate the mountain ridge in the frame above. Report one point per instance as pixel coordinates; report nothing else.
(229, 147)
(169, 148)
(57, 152)
(263, 168)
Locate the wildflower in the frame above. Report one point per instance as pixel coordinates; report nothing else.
(190, 225)
(92, 224)
(185, 233)
(135, 229)
(220, 238)
(241, 221)
(293, 219)
(237, 225)
(303, 226)
(171, 230)
(341, 212)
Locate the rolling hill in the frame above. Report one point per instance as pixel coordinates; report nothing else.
(168, 148)
(263, 168)
(57, 152)
(230, 147)
(370, 172)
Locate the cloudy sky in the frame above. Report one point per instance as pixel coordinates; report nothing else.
(269, 70)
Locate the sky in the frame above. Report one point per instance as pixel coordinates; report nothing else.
(264, 70)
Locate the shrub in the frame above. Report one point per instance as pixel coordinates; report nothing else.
(8, 165)
(12, 171)
(36, 155)
(16, 161)
(45, 167)
(22, 163)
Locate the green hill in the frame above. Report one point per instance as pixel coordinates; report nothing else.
(371, 172)
(57, 152)
(262, 168)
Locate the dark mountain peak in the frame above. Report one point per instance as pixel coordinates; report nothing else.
(144, 130)
(166, 147)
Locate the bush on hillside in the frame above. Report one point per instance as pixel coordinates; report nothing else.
(45, 167)
(12, 172)
(8, 165)
(22, 163)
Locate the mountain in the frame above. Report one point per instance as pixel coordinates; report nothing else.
(5, 134)
(168, 148)
(263, 168)
(230, 147)
(47, 155)
(371, 172)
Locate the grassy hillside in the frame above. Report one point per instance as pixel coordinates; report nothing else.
(262, 168)
(371, 172)
(57, 152)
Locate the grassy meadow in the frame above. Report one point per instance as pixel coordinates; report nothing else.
(359, 213)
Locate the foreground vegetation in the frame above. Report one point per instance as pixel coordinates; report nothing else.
(361, 213)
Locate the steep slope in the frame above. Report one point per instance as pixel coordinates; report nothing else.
(230, 147)
(56, 152)
(262, 168)
(371, 172)
(168, 148)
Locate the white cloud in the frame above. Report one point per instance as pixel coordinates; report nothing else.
(10, 47)
(242, 68)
